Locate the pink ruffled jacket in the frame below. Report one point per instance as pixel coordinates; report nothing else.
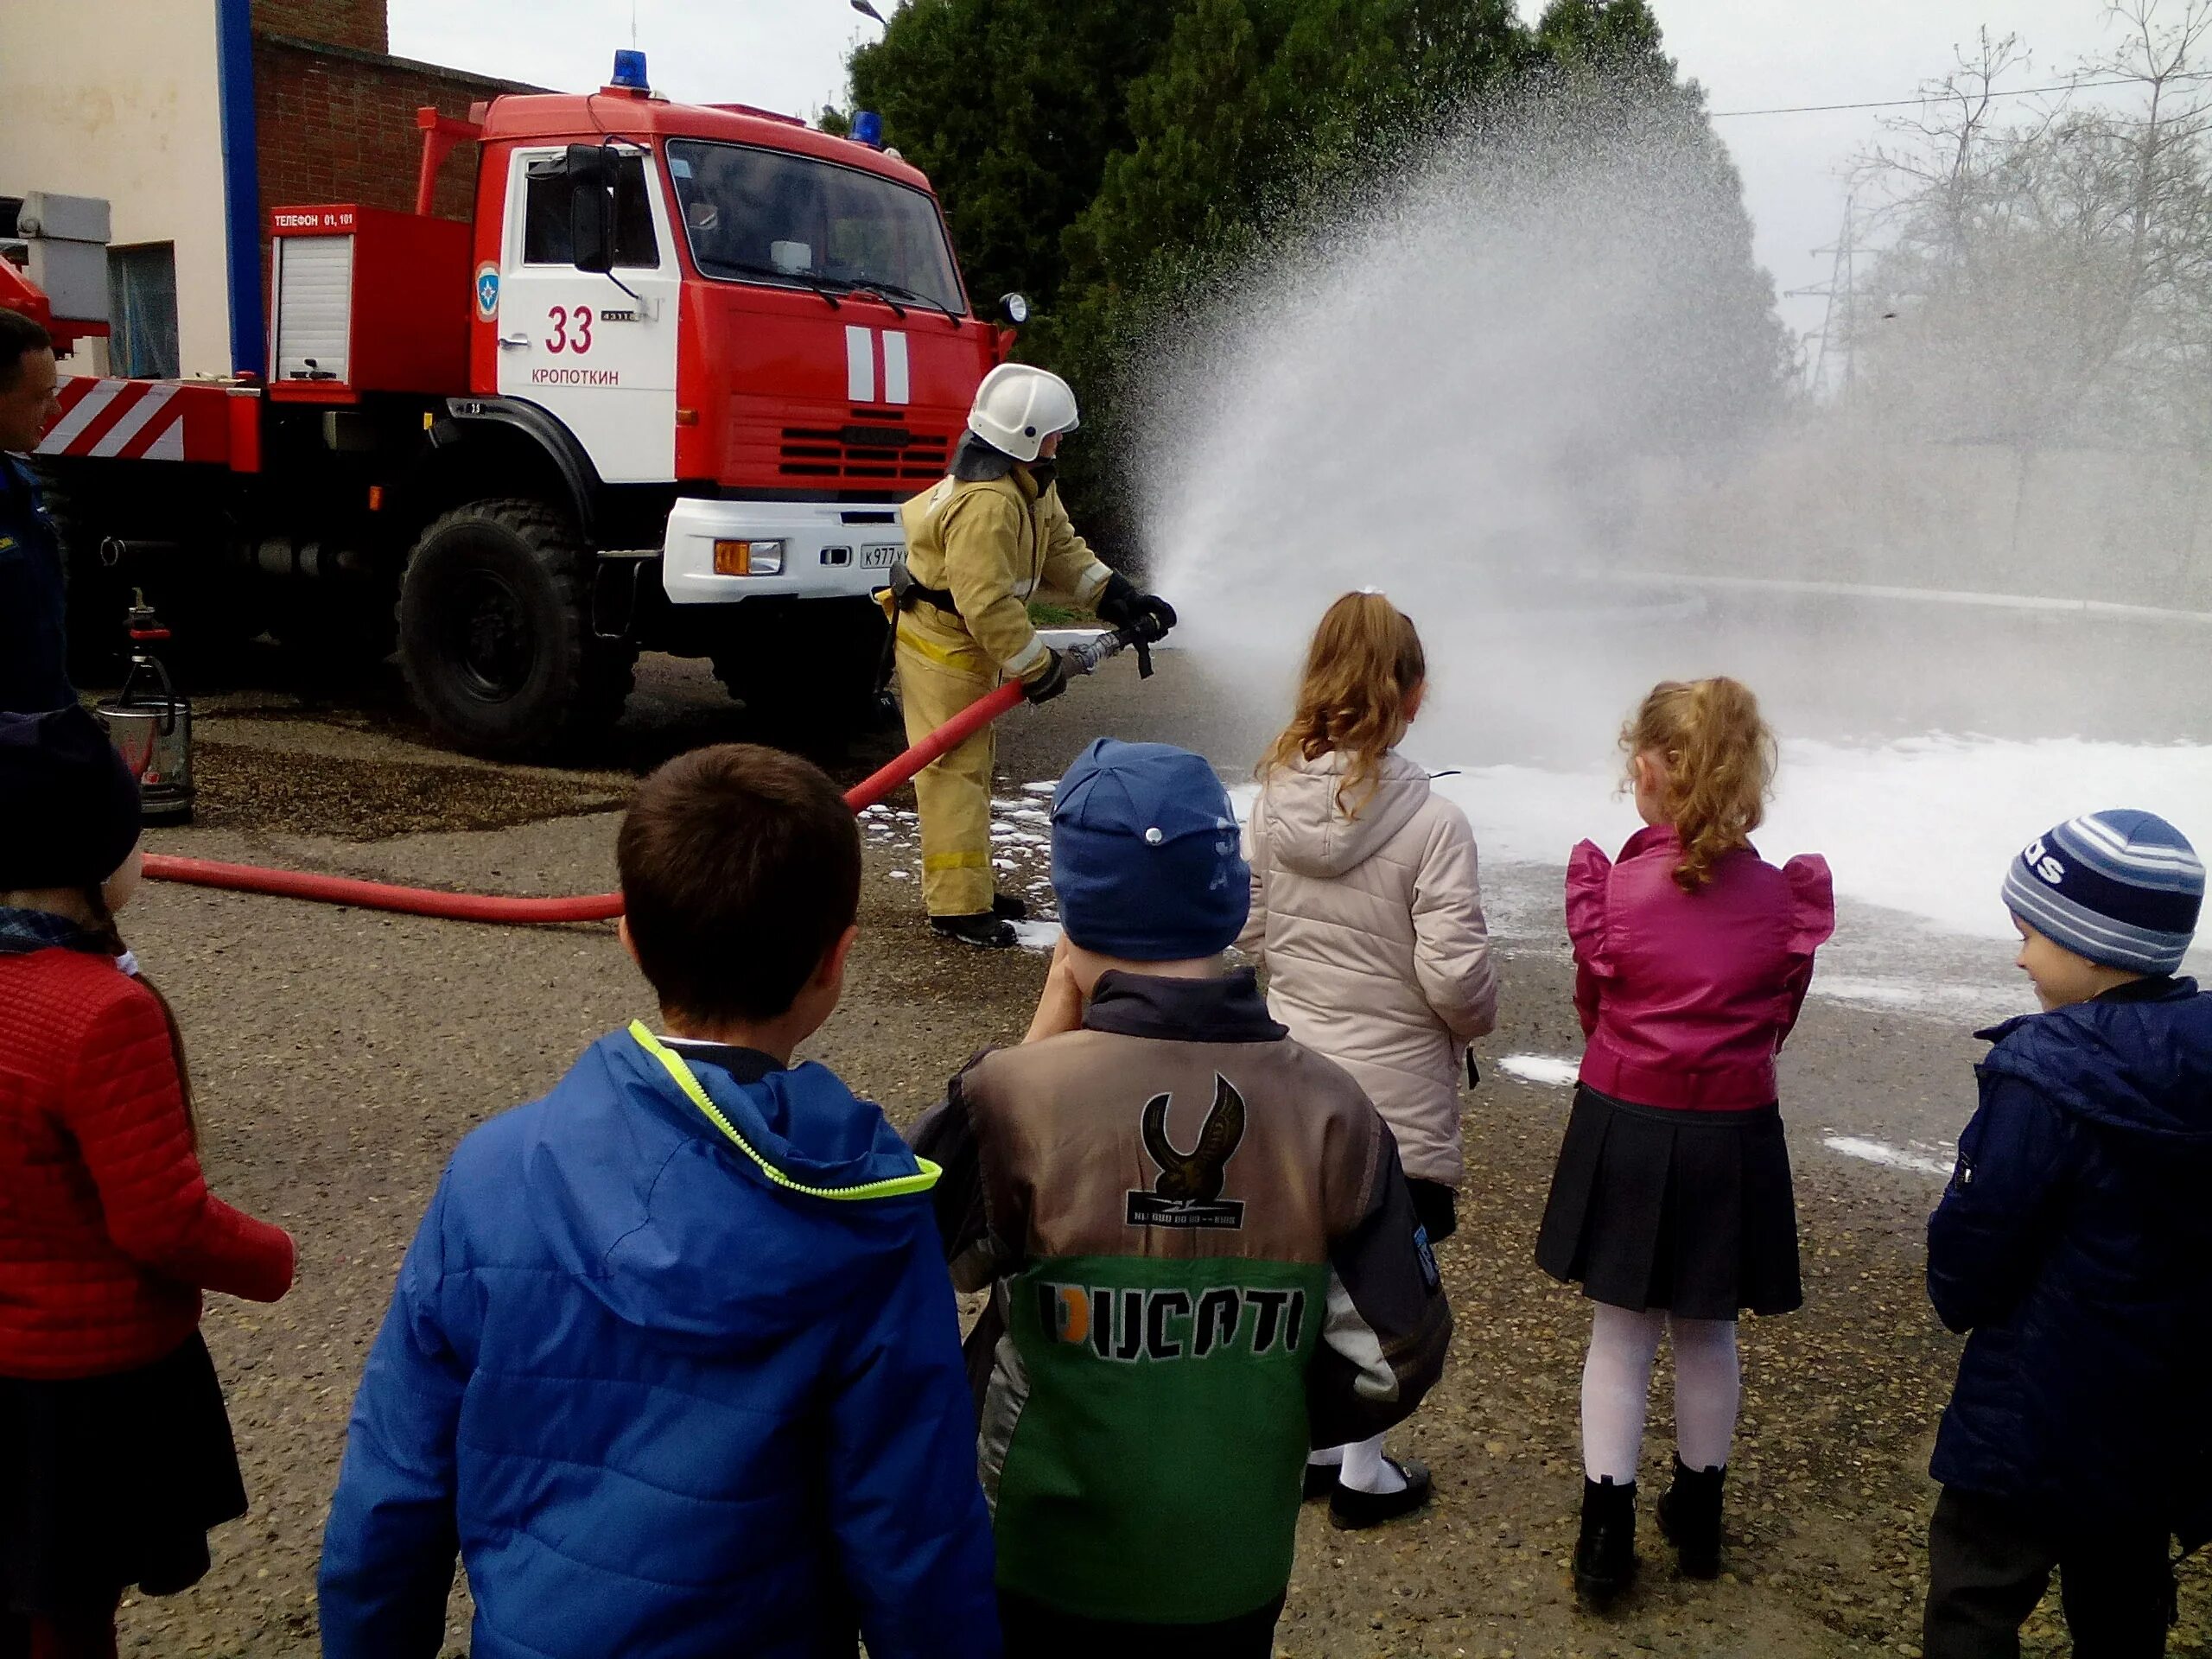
(1686, 998)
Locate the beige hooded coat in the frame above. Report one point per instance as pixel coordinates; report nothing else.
(1372, 933)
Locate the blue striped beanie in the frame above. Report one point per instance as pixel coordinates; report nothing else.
(2121, 888)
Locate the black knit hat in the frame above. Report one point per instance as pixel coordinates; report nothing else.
(68, 804)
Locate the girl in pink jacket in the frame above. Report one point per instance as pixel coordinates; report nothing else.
(1367, 915)
(1671, 1205)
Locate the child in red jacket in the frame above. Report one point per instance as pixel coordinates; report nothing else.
(1672, 1205)
(108, 1233)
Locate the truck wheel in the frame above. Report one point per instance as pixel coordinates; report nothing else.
(811, 668)
(495, 633)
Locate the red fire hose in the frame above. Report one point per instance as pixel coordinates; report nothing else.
(589, 907)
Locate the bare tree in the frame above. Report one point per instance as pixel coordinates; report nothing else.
(2046, 270)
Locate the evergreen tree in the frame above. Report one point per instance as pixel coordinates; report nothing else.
(1120, 159)
(1012, 107)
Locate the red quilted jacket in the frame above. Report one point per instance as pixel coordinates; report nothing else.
(108, 1232)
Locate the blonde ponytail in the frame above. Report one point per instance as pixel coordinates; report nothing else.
(1720, 756)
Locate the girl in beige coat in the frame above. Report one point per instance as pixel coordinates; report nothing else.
(1368, 916)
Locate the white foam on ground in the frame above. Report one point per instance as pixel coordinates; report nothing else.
(1880, 1151)
(1037, 936)
(1925, 825)
(1542, 1068)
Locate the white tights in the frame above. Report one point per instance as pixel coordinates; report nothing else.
(1617, 1386)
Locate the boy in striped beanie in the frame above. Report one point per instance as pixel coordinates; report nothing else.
(2074, 1244)
(2103, 900)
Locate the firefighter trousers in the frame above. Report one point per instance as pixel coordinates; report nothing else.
(941, 672)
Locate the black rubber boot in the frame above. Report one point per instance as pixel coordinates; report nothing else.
(1605, 1555)
(982, 929)
(1690, 1517)
(1008, 908)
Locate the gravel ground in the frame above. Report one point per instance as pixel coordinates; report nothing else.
(339, 1055)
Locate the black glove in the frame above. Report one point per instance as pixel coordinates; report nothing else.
(1144, 616)
(1051, 682)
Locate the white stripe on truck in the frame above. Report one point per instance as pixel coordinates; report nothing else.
(135, 421)
(860, 365)
(86, 411)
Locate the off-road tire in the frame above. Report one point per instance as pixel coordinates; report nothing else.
(812, 669)
(495, 633)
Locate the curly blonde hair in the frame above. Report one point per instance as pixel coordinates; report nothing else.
(1364, 662)
(1719, 755)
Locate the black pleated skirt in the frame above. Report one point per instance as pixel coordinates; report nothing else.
(107, 1482)
(1690, 1212)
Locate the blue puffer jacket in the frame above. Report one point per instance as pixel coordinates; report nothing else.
(660, 1401)
(2075, 1242)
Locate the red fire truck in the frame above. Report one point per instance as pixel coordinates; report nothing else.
(665, 391)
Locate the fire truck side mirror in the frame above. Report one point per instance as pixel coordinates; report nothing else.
(590, 169)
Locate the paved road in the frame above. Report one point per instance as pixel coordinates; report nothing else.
(339, 1054)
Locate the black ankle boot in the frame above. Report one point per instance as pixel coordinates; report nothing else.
(1605, 1555)
(1008, 908)
(982, 929)
(1690, 1517)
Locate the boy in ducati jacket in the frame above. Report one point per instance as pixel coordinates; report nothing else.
(1204, 1256)
(673, 1364)
(2075, 1243)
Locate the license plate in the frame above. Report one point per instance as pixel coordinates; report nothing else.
(881, 557)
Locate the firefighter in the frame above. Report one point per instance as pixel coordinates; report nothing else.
(978, 545)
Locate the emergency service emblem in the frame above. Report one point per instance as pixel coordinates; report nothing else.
(488, 291)
(1188, 1192)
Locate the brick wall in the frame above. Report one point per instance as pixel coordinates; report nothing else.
(357, 23)
(339, 126)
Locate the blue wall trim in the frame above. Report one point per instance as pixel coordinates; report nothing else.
(241, 185)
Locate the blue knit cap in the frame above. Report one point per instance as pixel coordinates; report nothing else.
(1145, 855)
(2121, 888)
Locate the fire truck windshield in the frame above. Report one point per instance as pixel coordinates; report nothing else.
(757, 215)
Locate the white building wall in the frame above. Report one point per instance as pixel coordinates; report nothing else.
(121, 98)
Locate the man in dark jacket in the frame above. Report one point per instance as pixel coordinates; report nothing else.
(33, 635)
(673, 1363)
(2074, 1242)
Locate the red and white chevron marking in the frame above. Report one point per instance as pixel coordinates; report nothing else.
(137, 420)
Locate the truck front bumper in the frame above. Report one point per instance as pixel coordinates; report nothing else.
(831, 549)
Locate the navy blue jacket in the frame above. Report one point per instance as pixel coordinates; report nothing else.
(33, 601)
(2074, 1242)
(661, 1399)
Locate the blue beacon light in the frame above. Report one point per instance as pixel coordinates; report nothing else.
(868, 129)
(630, 70)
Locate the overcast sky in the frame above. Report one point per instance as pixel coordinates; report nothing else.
(789, 54)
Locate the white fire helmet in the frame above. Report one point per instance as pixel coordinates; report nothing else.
(1018, 407)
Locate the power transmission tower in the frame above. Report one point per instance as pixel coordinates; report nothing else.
(1842, 284)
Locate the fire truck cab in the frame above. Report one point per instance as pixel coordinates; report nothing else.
(665, 391)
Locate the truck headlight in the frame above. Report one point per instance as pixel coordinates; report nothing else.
(749, 559)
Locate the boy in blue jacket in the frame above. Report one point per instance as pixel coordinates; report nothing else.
(2074, 1242)
(673, 1363)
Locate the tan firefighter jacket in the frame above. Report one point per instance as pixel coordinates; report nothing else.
(991, 543)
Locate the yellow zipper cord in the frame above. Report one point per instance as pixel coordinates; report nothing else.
(925, 1179)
